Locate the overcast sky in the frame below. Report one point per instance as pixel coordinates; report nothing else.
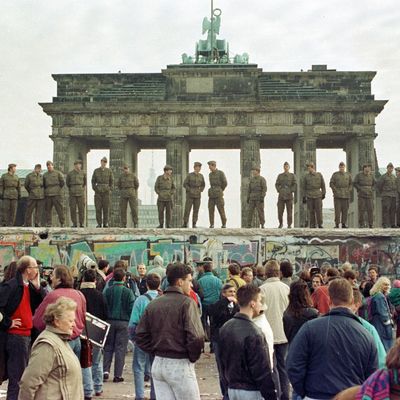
(42, 37)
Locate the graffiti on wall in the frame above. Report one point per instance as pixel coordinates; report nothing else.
(303, 252)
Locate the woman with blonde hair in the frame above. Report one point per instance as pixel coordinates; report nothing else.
(380, 312)
(53, 371)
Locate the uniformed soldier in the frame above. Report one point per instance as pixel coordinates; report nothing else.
(194, 184)
(218, 183)
(76, 183)
(286, 186)
(364, 182)
(341, 185)
(34, 187)
(165, 188)
(10, 192)
(255, 196)
(128, 185)
(398, 196)
(387, 187)
(102, 184)
(314, 192)
(53, 182)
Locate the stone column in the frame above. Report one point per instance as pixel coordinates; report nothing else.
(178, 158)
(117, 159)
(131, 157)
(249, 156)
(305, 150)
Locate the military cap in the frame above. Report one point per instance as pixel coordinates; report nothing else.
(168, 168)
(49, 162)
(12, 165)
(104, 159)
(390, 165)
(397, 169)
(38, 166)
(367, 165)
(310, 164)
(285, 163)
(77, 162)
(342, 164)
(125, 166)
(255, 168)
(212, 163)
(197, 164)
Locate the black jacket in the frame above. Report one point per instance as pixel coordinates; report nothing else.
(330, 354)
(95, 303)
(292, 324)
(220, 312)
(245, 361)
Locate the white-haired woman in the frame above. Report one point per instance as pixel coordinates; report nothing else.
(54, 371)
(380, 311)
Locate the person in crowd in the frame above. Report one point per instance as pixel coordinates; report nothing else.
(141, 358)
(220, 312)
(334, 352)
(171, 330)
(316, 281)
(54, 371)
(119, 300)
(320, 296)
(346, 266)
(259, 277)
(351, 277)
(19, 298)
(247, 275)
(381, 316)
(234, 276)
(373, 275)
(141, 279)
(394, 298)
(158, 266)
(10, 271)
(95, 305)
(299, 311)
(286, 272)
(275, 297)
(211, 287)
(358, 300)
(245, 361)
(103, 267)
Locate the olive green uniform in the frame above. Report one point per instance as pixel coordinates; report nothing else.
(285, 185)
(10, 192)
(218, 183)
(314, 190)
(165, 188)
(128, 185)
(341, 185)
(255, 199)
(102, 184)
(365, 183)
(398, 202)
(194, 184)
(387, 187)
(76, 183)
(53, 183)
(35, 187)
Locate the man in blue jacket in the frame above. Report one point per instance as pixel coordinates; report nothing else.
(334, 352)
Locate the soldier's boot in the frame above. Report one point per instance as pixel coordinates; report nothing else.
(344, 226)
(289, 226)
(320, 227)
(184, 225)
(211, 225)
(336, 226)
(280, 225)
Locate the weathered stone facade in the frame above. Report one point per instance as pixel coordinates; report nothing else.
(215, 106)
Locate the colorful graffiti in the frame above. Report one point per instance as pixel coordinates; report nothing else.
(303, 251)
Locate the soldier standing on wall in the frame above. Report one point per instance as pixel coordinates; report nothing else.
(387, 187)
(398, 196)
(102, 183)
(314, 192)
(165, 188)
(53, 182)
(255, 196)
(10, 192)
(76, 183)
(285, 185)
(34, 187)
(194, 185)
(218, 183)
(341, 185)
(128, 185)
(364, 182)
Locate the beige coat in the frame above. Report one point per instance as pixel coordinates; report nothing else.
(53, 372)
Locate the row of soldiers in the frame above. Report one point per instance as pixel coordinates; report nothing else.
(45, 190)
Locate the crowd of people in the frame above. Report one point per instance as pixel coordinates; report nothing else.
(325, 333)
